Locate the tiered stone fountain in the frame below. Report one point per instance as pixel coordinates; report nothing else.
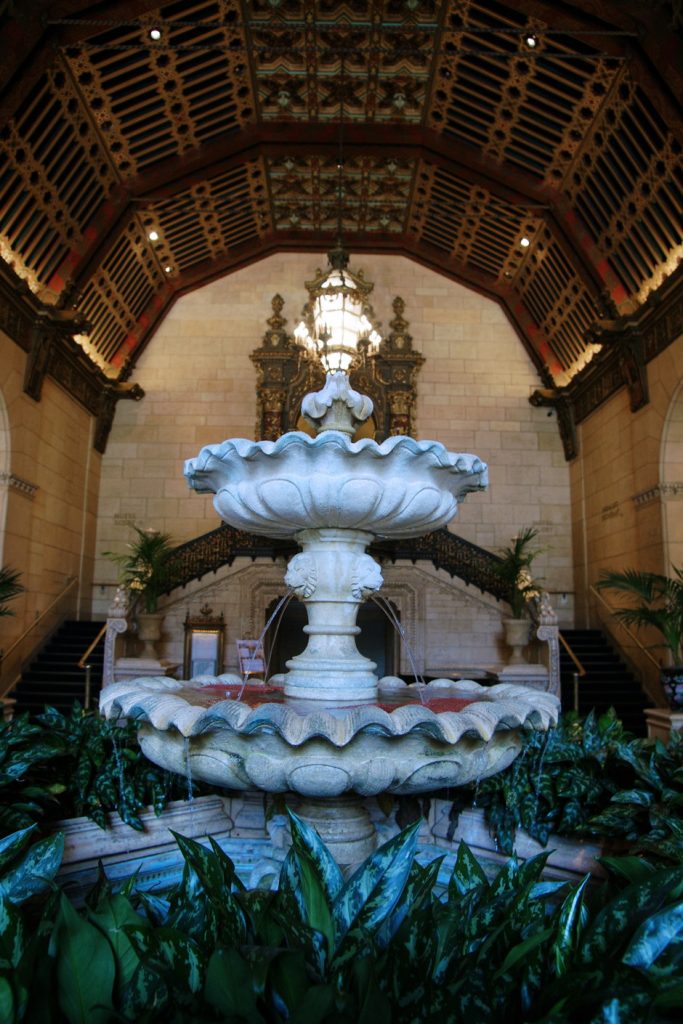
(333, 728)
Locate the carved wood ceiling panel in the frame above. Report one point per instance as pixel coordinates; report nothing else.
(459, 138)
(376, 193)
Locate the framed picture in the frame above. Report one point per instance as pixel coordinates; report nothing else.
(204, 639)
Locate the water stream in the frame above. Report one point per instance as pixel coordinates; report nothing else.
(188, 776)
(280, 606)
(388, 610)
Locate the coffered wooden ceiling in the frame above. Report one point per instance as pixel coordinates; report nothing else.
(464, 128)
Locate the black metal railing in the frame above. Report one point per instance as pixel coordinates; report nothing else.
(445, 550)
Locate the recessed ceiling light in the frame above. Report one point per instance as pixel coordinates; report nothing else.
(531, 41)
(153, 236)
(155, 34)
(524, 242)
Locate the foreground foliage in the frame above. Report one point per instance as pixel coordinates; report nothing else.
(589, 778)
(380, 947)
(60, 766)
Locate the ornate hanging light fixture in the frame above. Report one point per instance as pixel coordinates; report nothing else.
(337, 318)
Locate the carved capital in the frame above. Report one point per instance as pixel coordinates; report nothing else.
(39, 358)
(553, 398)
(106, 408)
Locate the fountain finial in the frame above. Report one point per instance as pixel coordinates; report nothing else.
(337, 406)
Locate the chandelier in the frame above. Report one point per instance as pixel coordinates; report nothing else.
(337, 319)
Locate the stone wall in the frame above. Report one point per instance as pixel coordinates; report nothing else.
(451, 629)
(50, 480)
(627, 491)
(473, 396)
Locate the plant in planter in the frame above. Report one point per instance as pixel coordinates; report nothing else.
(58, 766)
(385, 946)
(514, 569)
(144, 574)
(10, 587)
(657, 604)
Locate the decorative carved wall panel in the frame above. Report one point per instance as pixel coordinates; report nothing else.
(286, 372)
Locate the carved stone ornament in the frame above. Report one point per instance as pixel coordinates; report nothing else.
(367, 577)
(302, 575)
(337, 406)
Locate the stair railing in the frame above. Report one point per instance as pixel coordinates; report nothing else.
(20, 652)
(580, 670)
(650, 690)
(446, 550)
(84, 663)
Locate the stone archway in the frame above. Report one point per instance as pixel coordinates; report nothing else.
(671, 477)
(5, 451)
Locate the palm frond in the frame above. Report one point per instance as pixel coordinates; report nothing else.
(10, 587)
(657, 602)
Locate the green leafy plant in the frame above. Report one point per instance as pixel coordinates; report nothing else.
(59, 766)
(387, 945)
(658, 604)
(10, 588)
(514, 569)
(587, 778)
(143, 569)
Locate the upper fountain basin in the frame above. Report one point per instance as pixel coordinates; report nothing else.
(400, 488)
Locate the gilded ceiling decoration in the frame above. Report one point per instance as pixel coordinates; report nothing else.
(530, 150)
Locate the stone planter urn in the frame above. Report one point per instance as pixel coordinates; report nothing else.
(516, 637)
(149, 631)
(672, 684)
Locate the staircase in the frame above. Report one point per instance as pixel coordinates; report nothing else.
(607, 683)
(54, 677)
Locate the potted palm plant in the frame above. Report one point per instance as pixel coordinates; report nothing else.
(514, 569)
(143, 571)
(657, 602)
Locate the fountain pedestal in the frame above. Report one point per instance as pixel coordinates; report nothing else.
(344, 826)
(332, 576)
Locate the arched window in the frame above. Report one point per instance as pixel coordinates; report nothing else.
(4, 471)
(671, 477)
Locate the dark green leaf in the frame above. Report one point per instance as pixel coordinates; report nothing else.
(376, 887)
(467, 872)
(570, 923)
(85, 969)
(113, 912)
(228, 987)
(653, 936)
(37, 867)
(12, 845)
(12, 937)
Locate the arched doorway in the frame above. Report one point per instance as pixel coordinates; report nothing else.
(4, 471)
(378, 639)
(671, 477)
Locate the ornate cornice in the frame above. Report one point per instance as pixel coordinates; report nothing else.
(45, 333)
(17, 483)
(629, 343)
(660, 492)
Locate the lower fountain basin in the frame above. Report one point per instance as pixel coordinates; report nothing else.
(413, 741)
